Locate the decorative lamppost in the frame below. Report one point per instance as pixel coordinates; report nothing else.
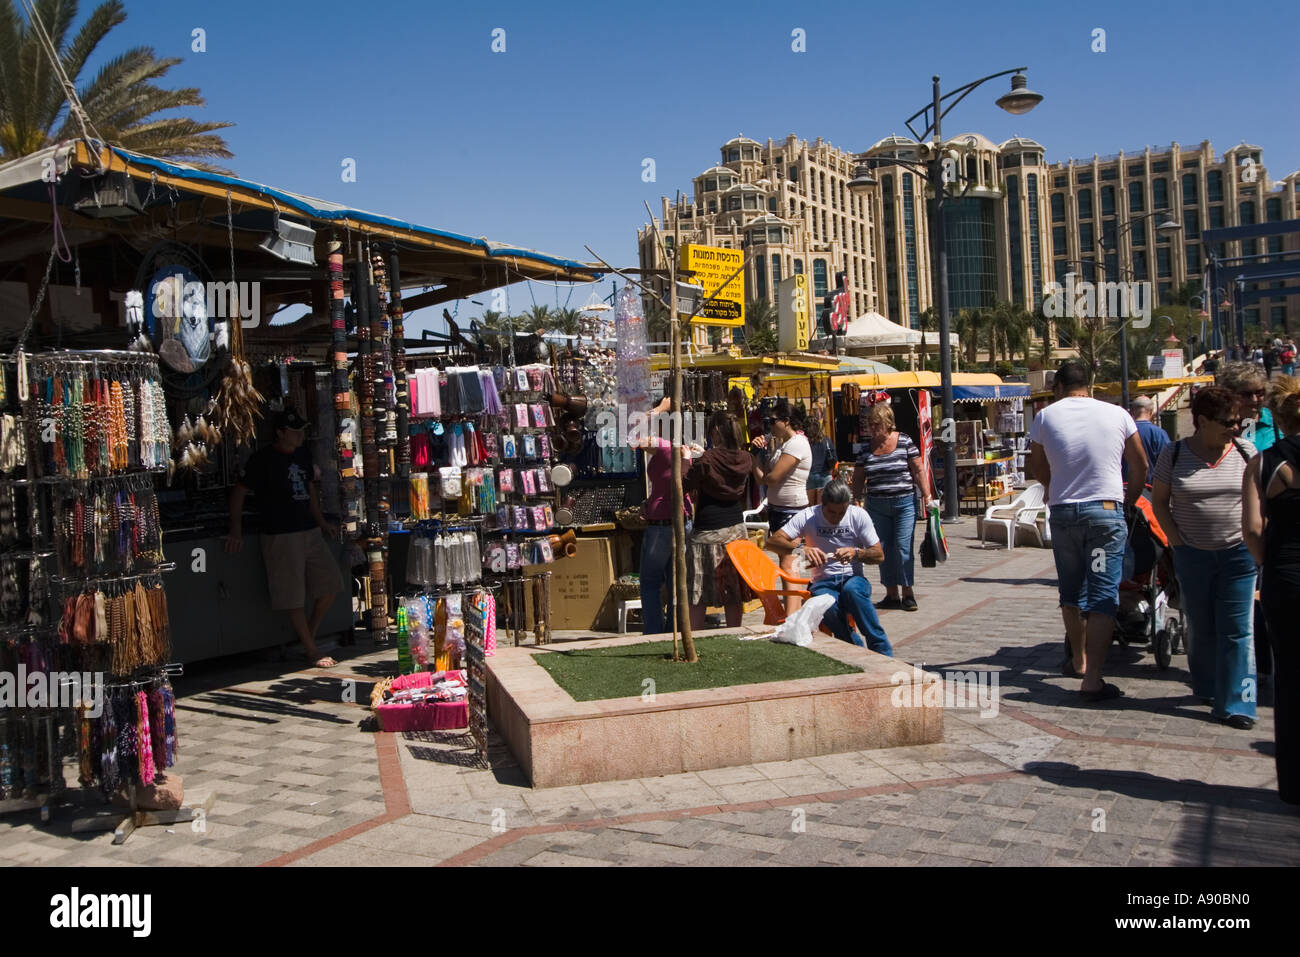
(939, 171)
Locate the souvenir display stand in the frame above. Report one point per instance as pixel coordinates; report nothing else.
(96, 436)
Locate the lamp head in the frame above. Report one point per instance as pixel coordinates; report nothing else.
(1021, 99)
(1168, 225)
(864, 177)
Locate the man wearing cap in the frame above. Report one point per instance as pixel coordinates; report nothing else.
(282, 479)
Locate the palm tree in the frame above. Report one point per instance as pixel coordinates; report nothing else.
(566, 320)
(926, 320)
(537, 317)
(121, 101)
(760, 328)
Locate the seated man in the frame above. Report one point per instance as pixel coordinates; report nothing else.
(838, 538)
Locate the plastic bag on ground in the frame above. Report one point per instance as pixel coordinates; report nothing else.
(798, 628)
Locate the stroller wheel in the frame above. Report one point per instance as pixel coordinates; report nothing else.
(1163, 648)
(1177, 636)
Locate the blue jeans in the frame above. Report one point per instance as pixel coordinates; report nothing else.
(1088, 541)
(1218, 595)
(854, 597)
(895, 521)
(656, 571)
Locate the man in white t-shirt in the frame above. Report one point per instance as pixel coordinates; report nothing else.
(1076, 446)
(838, 537)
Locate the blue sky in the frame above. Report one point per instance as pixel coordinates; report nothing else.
(542, 145)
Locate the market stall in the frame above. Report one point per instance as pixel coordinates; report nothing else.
(990, 426)
(193, 267)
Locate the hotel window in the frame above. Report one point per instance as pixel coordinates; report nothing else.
(1246, 214)
(1109, 174)
(1059, 182)
(819, 278)
(733, 202)
(1058, 207)
(1013, 240)
(1140, 264)
(1214, 186)
(1085, 204)
(1135, 169)
(1108, 200)
(1085, 177)
(771, 204)
(711, 185)
(1160, 193)
(751, 201)
(1193, 259)
(1192, 223)
(1138, 235)
(798, 267)
(1278, 321)
(1161, 166)
(793, 174)
(1249, 247)
(1035, 255)
(1058, 241)
(1087, 239)
(1163, 268)
(733, 156)
(1273, 211)
(776, 271)
(1189, 189)
(1136, 201)
(1166, 294)
(1216, 217)
(760, 278)
(1274, 245)
(825, 234)
(713, 205)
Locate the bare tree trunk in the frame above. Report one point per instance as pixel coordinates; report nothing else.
(683, 612)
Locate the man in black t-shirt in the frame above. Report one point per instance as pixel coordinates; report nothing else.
(298, 561)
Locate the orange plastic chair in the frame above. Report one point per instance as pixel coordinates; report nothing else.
(762, 575)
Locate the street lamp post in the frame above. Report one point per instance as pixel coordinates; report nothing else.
(1170, 225)
(1020, 99)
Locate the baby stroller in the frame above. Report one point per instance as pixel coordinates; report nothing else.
(1148, 590)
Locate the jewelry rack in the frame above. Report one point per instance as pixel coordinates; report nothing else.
(132, 471)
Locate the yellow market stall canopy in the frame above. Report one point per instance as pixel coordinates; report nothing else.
(718, 271)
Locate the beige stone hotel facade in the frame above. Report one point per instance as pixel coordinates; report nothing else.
(1018, 224)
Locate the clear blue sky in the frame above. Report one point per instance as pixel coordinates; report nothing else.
(542, 145)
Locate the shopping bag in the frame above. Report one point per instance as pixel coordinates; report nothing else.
(934, 535)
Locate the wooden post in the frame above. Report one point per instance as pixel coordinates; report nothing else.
(679, 498)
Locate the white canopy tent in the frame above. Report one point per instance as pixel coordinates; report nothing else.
(871, 334)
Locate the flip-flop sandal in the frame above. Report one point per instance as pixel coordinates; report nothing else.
(1107, 692)
(325, 662)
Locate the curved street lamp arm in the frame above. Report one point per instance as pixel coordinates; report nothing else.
(961, 93)
(920, 169)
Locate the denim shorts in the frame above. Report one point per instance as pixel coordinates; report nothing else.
(778, 516)
(1088, 541)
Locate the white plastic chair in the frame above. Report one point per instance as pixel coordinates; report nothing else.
(1022, 510)
(751, 519)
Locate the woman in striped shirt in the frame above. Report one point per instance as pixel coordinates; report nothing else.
(888, 472)
(1196, 495)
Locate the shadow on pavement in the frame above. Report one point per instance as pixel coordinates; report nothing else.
(1220, 824)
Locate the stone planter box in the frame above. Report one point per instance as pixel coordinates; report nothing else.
(559, 741)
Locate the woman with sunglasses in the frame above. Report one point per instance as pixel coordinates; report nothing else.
(1247, 382)
(1196, 495)
(1271, 523)
(784, 470)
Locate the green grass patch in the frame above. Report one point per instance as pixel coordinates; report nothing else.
(594, 674)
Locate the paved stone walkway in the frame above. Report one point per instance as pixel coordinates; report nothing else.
(302, 779)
